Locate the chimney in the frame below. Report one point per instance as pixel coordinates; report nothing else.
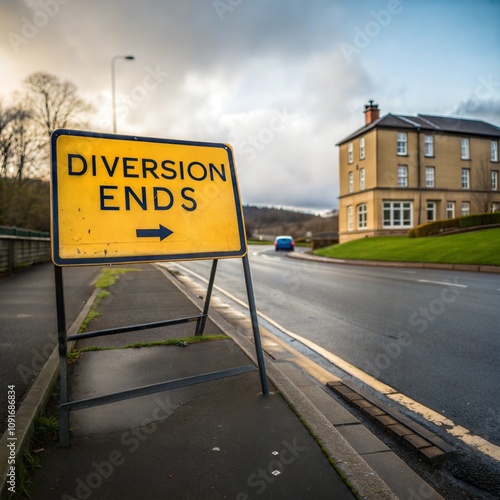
(372, 112)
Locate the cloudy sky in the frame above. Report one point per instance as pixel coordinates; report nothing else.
(280, 80)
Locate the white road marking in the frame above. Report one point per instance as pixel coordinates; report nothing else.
(442, 283)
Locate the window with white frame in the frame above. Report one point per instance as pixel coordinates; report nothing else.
(362, 148)
(450, 209)
(429, 145)
(350, 221)
(495, 207)
(494, 151)
(350, 152)
(431, 211)
(361, 179)
(429, 177)
(465, 210)
(362, 216)
(465, 148)
(397, 214)
(465, 178)
(402, 176)
(402, 149)
(494, 180)
(350, 180)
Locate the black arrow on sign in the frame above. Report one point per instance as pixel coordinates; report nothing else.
(162, 232)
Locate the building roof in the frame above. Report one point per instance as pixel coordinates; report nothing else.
(445, 124)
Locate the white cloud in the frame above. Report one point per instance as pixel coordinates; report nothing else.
(268, 77)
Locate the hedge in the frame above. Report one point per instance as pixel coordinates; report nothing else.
(439, 226)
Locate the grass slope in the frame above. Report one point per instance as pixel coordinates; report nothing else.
(478, 247)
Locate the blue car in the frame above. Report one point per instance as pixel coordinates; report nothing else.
(284, 243)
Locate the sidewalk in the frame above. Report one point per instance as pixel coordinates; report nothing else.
(219, 439)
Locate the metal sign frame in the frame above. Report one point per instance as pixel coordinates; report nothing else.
(65, 405)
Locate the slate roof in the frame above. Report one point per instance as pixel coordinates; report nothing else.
(446, 124)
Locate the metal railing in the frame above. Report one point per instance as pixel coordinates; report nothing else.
(22, 247)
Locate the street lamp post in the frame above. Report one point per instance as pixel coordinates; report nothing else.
(128, 58)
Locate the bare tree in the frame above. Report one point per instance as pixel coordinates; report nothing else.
(25, 129)
(54, 103)
(26, 145)
(482, 195)
(7, 138)
(19, 150)
(19, 144)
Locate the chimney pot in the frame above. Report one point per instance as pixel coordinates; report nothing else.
(372, 112)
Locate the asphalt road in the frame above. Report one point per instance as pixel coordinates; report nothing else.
(28, 325)
(431, 334)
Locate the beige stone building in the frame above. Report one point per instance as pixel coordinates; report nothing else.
(397, 172)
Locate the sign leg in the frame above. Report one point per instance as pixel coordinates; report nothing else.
(255, 326)
(63, 351)
(200, 324)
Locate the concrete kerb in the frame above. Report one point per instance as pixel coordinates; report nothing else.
(365, 482)
(37, 398)
(386, 263)
(389, 419)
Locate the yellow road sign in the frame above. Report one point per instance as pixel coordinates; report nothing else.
(135, 199)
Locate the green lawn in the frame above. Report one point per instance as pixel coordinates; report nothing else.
(477, 247)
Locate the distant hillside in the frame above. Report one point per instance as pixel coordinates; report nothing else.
(270, 222)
